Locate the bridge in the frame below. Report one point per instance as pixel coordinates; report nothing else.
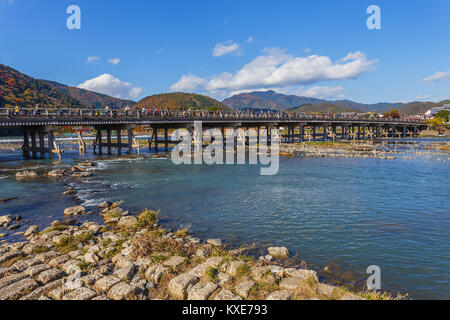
(39, 125)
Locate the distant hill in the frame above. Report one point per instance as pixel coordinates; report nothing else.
(17, 88)
(181, 101)
(271, 99)
(323, 107)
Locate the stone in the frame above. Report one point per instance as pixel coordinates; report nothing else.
(121, 291)
(5, 221)
(174, 262)
(225, 295)
(223, 278)
(49, 275)
(106, 269)
(179, 286)
(291, 283)
(55, 262)
(243, 288)
(215, 242)
(4, 282)
(258, 273)
(144, 263)
(79, 294)
(26, 174)
(280, 295)
(91, 257)
(127, 272)
(278, 252)
(14, 227)
(22, 265)
(56, 173)
(232, 267)
(201, 253)
(325, 289)
(127, 222)
(106, 283)
(74, 211)
(31, 231)
(43, 289)
(47, 256)
(104, 204)
(3, 235)
(35, 270)
(10, 255)
(155, 272)
(202, 291)
(70, 266)
(301, 273)
(122, 261)
(18, 289)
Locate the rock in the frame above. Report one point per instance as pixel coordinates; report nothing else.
(179, 286)
(243, 289)
(291, 283)
(154, 273)
(56, 173)
(14, 227)
(232, 267)
(223, 278)
(104, 205)
(74, 211)
(6, 281)
(174, 262)
(127, 222)
(225, 295)
(202, 291)
(278, 252)
(3, 235)
(144, 263)
(31, 231)
(258, 273)
(49, 275)
(5, 221)
(91, 257)
(80, 294)
(26, 174)
(301, 273)
(44, 289)
(280, 295)
(55, 262)
(122, 261)
(215, 242)
(325, 289)
(121, 291)
(106, 283)
(59, 239)
(201, 253)
(17, 289)
(127, 272)
(10, 255)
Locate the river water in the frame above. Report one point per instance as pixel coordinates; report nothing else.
(345, 214)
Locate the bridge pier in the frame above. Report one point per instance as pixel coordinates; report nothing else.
(39, 144)
(109, 144)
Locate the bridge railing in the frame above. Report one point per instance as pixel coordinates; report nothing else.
(61, 114)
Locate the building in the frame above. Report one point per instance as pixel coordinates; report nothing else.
(433, 111)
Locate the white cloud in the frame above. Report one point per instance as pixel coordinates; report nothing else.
(426, 97)
(93, 59)
(438, 76)
(277, 69)
(188, 83)
(114, 61)
(222, 49)
(250, 39)
(110, 85)
(321, 92)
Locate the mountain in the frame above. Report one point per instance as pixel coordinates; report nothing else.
(323, 107)
(271, 99)
(17, 88)
(181, 101)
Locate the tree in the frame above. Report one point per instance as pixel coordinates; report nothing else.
(443, 115)
(393, 114)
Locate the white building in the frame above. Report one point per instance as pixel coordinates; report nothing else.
(433, 111)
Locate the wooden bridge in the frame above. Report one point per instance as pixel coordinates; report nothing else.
(38, 127)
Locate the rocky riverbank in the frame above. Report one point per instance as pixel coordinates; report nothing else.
(133, 257)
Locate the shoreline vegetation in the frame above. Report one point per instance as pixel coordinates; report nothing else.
(133, 257)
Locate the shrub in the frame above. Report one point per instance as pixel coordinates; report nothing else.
(147, 219)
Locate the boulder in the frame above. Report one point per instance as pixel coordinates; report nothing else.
(91, 257)
(74, 211)
(80, 294)
(127, 222)
(31, 231)
(215, 242)
(278, 252)
(121, 291)
(5, 221)
(179, 286)
(225, 294)
(126, 272)
(154, 273)
(174, 262)
(26, 174)
(202, 291)
(280, 295)
(243, 288)
(56, 173)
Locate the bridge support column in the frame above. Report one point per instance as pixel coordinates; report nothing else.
(314, 133)
(39, 144)
(166, 140)
(302, 132)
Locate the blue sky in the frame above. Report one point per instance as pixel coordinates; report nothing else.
(315, 48)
